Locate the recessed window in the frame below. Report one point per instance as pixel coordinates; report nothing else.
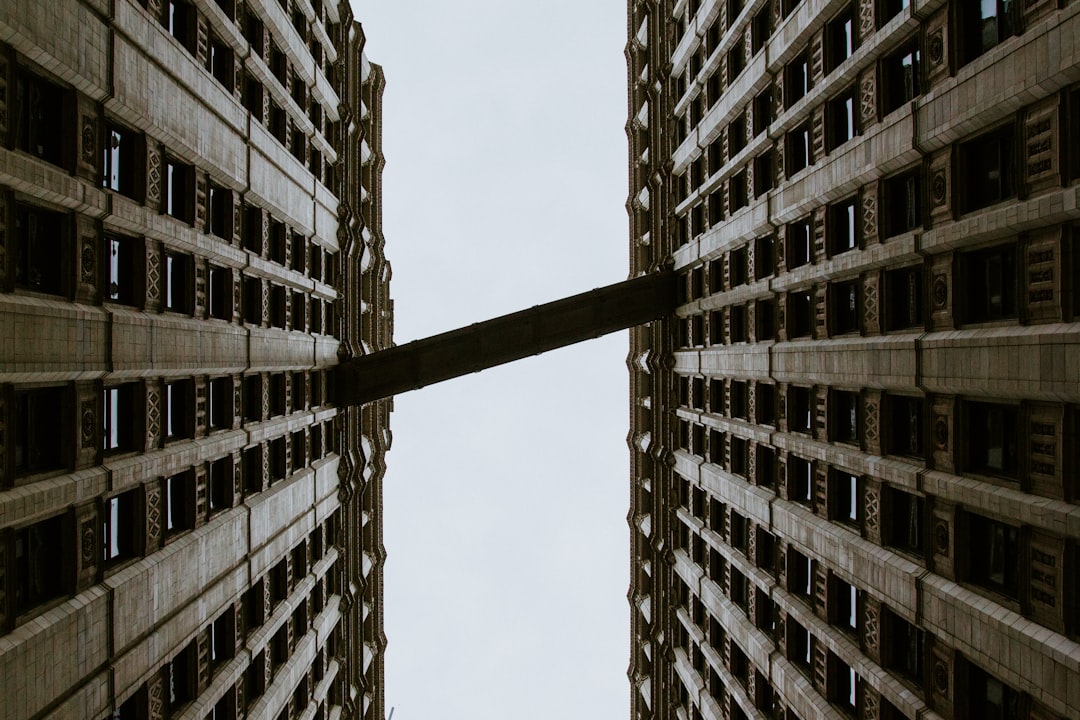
(253, 305)
(39, 556)
(278, 123)
(796, 80)
(995, 553)
(180, 679)
(844, 416)
(739, 399)
(221, 212)
(989, 283)
(255, 679)
(220, 401)
(39, 117)
(736, 59)
(764, 172)
(983, 25)
(800, 243)
(904, 302)
(903, 520)
(988, 697)
(842, 232)
(800, 574)
(253, 469)
(126, 273)
(39, 245)
(252, 394)
(906, 647)
(298, 144)
(279, 467)
(299, 450)
(180, 190)
(124, 152)
(900, 77)
(738, 324)
(763, 111)
(799, 645)
(844, 494)
(120, 528)
(845, 690)
(179, 283)
(315, 315)
(253, 31)
(179, 410)
(276, 250)
(220, 293)
(844, 307)
(800, 313)
(277, 394)
(905, 425)
(839, 39)
(737, 188)
(277, 306)
(220, 57)
(765, 404)
(800, 488)
(122, 412)
(902, 203)
(988, 169)
(181, 20)
(38, 445)
(736, 135)
(765, 319)
(222, 643)
(798, 147)
(179, 499)
(994, 439)
(253, 96)
(279, 582)
(299, 305)
(740, 456)
(716, 447)
(843, 605)
(279, 64)
(761, 29)
(841, 123)
(800, 409)
(221, 484)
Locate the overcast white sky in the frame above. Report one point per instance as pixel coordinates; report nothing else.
(506, 493)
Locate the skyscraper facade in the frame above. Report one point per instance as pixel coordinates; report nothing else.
(854, 450)
(190, 238)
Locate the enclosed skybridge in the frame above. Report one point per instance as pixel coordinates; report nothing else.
(504, 339)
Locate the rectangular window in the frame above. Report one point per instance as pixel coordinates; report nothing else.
(126, 270)
(800, 409)
(798, 149)
(900, 77)
(764, 172)
(799, 645)
(904, 520)
(253, 31)
(277, 306)
(276, 251)
(843, 605)
(39, 245)
(736, 59)
(799, 485)
(180, 190)
(842, 229)
(179, 410)
(906, 646)
(763, 111)
(844, 307)
(255, 679)
(800, 243)
(299, 450)
(220, 401)
(716, 447)
(765, 405)
(839, 39)
(983, 25)
(800, 574)
(761, 30)
(315, 315)
(277, 394)
(740, 456)
(220, 59)
(38, 445)
(121, 525)
(253, 229)
(841, 120)
(738, 324)
(845, 691)
(904, 301)
(995, 554)
(738, 191)
(764, 264)
(988, 169)
(221, 212)
(221, 484)
(122, 413)
(765, 319)
(993, 439)
(844, 496)
(179, 496)
(252, 394)
(988, 697)
(253, 305)
(902, 203)
(989, 280)
(220, 291)
(736, 135)
(905, 425)
(315, 264)
(738, 400)
(844, 416)
(253, 469)
(299, 305)
(179, 283)
(253, 97)
(278, 123)
(279, 582)
(279, 468)
(800, 314)
(181, 20)
(124, 152)
(796, 80)
(39, 118)
(39, 556)
(222, 638)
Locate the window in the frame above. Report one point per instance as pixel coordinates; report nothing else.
(799, 645)
(900, 77)
(764, 172)
(181, 22)
(179, 498)
(738, 399)
(299, 305)
(983, 24)
(179, 410)
(253, 398)
(253, 300)
(740, 456)
(220, 291)
(763, 111)
(298, 145)
(39, 118)
(736, 135)
(738, 324)
(890, 8)
(905, 425)
(253, 31)
(906, 647)
(121, 526)
(279, 582)
(126, 274)
(315, 315)
(903, 521)
(843, 604)
(989, 283)
(904, 302)
(255, 679)
(221, 484)
(220, 401)
(738, 191)
(222, 638)
(38, 445)
(761, 29)
(253, 96)
(765, 406)
(846, 689)
(902, 201)
(277, 306)
(278, 123)
(736, 59)
(800, 575)
(995, 551)
(799, 239)
(276, 251)
(39, 556)
(765, 319)
(844, 416)
(994, 439)
(842, 121)
(800, 313)
(844, 493)
(297, 400)
(796, 80)
(716, 447)
(221, 212)
(180, 190)
(180, 679)
(123, 161)
(179, 283)
(122, 412)
(220, 58)
(740, 589)
(798, 141)
(844, 307)
(39, 245)
(279, 468)
(315, 262)
(716, 396)
(800, 408)
(253, 469)
(988, 697)
(800, 488)
(842, 233)
(299, 450)
(988, 169)
(278, 64)
(839, 39)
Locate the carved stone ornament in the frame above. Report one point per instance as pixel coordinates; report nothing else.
(87, 260)
(941, 291)
(940, 675)
(87, 425)
(941, 432)
(89, 133)
(936, 47)
(88, 544)
(941, 537)
(939, 187)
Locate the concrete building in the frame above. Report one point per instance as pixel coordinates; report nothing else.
(190, 237)
(854, 450)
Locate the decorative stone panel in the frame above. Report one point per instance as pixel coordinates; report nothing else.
(86, 564)
(867, 20)
(817, 58)
(821, 590)
(820, 489)
(155, 177)
(202, 655)
(7, 220)
(871, 627)
(154, 410)
(941, 186)
(871, 509)
(943, 433)
(942, 679)
(155, 691)
(201, 299)
(818, 235)
(154, 275)
(868, 199)
(201, 407)
(943, 530)
(938, 50)
(871, 302)
(1041, 160)
(87, 155)
(817, 134)
(202, 505)
(1045, 451)
(781, 408)
(871, 702)
(88, 247)
(1043, 275)
(942, 297)
(821, 311)
(821, 412)
(871, 420)
(154, 510)
(202, 196)
(821, 667)
(7, 82)
(1046, 593)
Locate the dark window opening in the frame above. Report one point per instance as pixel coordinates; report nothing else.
(988, 169)
(252, 398)
(39, 552)
(738, 324)
(299, 450)
(902, 203)
(123, 160)
(277, 394)
(800, 314)
(716, 447)
(220, 292)
(180, 190)
(844, 307)
(799, 481)
(220, 402)
(844, 492)
(278, 124)
(993, 439)
(40, 118)
(736, 135)
(839, 39)
(122, 411)
(277, 306)
(181, 20)
(843, 605)
(906, 648)
(798, 141)
(842, 120)
(179, 283)
(253, 469)
(845, 690)
(904, 521)
(796, 80)
(279, 468)
(799, 645)
(253, 31)
(276, 251)
(763, 111)
(253, 229)
(120, 528)
(253, 97)
(179, 497)
(221, 212)
(739, 399)
(800, 409)
(900, 77)
(761, 30)
(842, 232)
(984, 25)
(739, 196)
(126, 273)
(995, 554)
(38, 446)
(765, 404)
(736, 59)
(39, 249)
(253, 300)
(765, 319)
(844, 416)
(904, 302)
(221, 484)
(989, 283)
(299, 305)
(799, 239)
(179, 410)
(764, 173)
(740, 456)
(180, 679)
(800, 574)
(905, 425)
(220, 58)
(988, 697)
(222, 643)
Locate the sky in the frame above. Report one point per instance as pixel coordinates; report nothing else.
(506, 492)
